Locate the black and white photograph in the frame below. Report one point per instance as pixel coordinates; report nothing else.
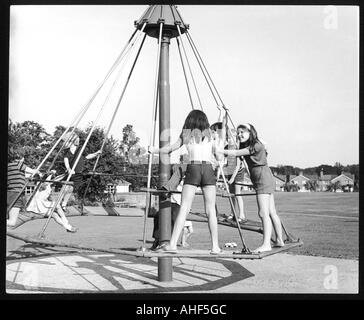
(182, 149)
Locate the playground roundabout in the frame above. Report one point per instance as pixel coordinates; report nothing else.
(109, 252)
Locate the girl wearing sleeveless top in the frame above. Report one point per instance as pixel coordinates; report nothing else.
(196, 136)
(255, 154)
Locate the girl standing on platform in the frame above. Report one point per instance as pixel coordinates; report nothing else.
(196, 136)
(255, 154)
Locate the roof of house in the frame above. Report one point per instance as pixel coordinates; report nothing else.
(343, 175)
(281, 177)
(348, 174)
(312, 176)
(301, 176)
(31, 184)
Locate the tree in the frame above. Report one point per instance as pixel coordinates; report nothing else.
(28, 139)
(327, 169)
(109, 163)
(129, 141)
(312, 185)
(291, 187)
(339, 168)
(334, 186)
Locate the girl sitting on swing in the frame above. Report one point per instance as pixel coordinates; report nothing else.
(42, 204)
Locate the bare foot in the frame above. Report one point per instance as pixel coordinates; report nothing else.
(185, 245)
(263, 248)
(216, 250)
(166, 248)
(278, 243)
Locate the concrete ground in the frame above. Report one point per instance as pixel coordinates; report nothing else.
(109, 273)
(36, 269)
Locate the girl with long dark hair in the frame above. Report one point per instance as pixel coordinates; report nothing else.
(255, 154)
(196, 136)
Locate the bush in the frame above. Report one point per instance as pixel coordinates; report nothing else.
(108, 203)
(120, 199)
(90, 203)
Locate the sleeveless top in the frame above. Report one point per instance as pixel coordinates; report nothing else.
(202, 151)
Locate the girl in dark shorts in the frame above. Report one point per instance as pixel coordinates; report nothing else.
(196, 136)
(255, 154)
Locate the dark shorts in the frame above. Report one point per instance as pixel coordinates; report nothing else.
(262, 179)
(77, 180)
(11, 195)
(200, 174)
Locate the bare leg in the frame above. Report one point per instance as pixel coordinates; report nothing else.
(184, 237)
(13, 217)
(62, 215)
(59, 220)
(188, 193)
(209, 195)
(263, 211)
(240, 202)
(277, 225)
(187, 232)
(67, 195)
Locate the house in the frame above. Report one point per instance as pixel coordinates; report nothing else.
(30, 188)
(345, 180)
(324, 180)
(119, 186)
(300, 181)
(279, 181)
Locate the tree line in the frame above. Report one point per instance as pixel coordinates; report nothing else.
(336, 169)
(124, 157)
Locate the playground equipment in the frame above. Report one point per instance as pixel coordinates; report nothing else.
(164, 23)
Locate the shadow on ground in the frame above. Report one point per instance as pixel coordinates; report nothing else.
(34, 268)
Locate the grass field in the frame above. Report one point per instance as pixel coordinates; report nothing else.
(328, 224)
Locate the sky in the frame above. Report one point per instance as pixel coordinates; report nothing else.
(291, 71)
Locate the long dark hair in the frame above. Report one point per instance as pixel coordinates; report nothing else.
(197, 125)
(253, 138)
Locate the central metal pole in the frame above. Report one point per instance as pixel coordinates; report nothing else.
(164, 264)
